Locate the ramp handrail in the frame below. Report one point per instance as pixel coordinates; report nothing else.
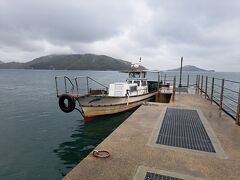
(225, 96)
(225, 93)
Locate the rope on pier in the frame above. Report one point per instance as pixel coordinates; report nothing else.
(101, 153)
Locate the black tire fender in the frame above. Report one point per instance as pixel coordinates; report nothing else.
(71, 103)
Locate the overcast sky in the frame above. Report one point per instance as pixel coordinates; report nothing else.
(205, 32)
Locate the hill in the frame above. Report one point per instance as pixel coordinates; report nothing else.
(72, 62)
(12, 65)
(190, 68)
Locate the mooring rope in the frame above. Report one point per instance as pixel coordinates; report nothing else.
(101, 153)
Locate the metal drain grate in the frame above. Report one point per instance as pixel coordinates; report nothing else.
(154, 176)
(183, 128)
(182, 89)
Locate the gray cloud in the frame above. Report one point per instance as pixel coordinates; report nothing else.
(205, 32)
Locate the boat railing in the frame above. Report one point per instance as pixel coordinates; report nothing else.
(77, 87)
(223, 92)
(88, 89)
(67, 82)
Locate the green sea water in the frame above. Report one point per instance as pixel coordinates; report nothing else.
(38, 140)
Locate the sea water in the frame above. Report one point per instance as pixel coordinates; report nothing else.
(38, 140)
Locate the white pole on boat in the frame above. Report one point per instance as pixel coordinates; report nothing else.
(127, 97)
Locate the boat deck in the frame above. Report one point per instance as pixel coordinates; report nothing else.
(134, 153)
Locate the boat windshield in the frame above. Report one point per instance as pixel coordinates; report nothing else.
(134, 75)
(137, 74)
(137, 82)
(133, 88)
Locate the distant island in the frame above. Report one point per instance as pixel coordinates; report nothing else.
(190, 68)
(72, 62)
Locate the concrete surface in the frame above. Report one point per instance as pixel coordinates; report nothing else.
(129, 148)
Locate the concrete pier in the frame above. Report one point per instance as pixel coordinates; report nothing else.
(133, 153)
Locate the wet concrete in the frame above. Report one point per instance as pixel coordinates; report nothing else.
(130, 149)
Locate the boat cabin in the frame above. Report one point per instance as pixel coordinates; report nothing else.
(135, 85)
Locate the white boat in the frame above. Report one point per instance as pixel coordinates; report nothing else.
(118, 97)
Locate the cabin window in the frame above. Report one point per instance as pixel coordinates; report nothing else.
(134, 75)
(133, 88)
(144, 83)
(143, 74)
(137, 82)
(129, 82)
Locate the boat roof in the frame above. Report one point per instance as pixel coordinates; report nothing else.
(139, 71)
(136, 78)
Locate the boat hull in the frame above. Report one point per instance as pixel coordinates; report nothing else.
(99, 105)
